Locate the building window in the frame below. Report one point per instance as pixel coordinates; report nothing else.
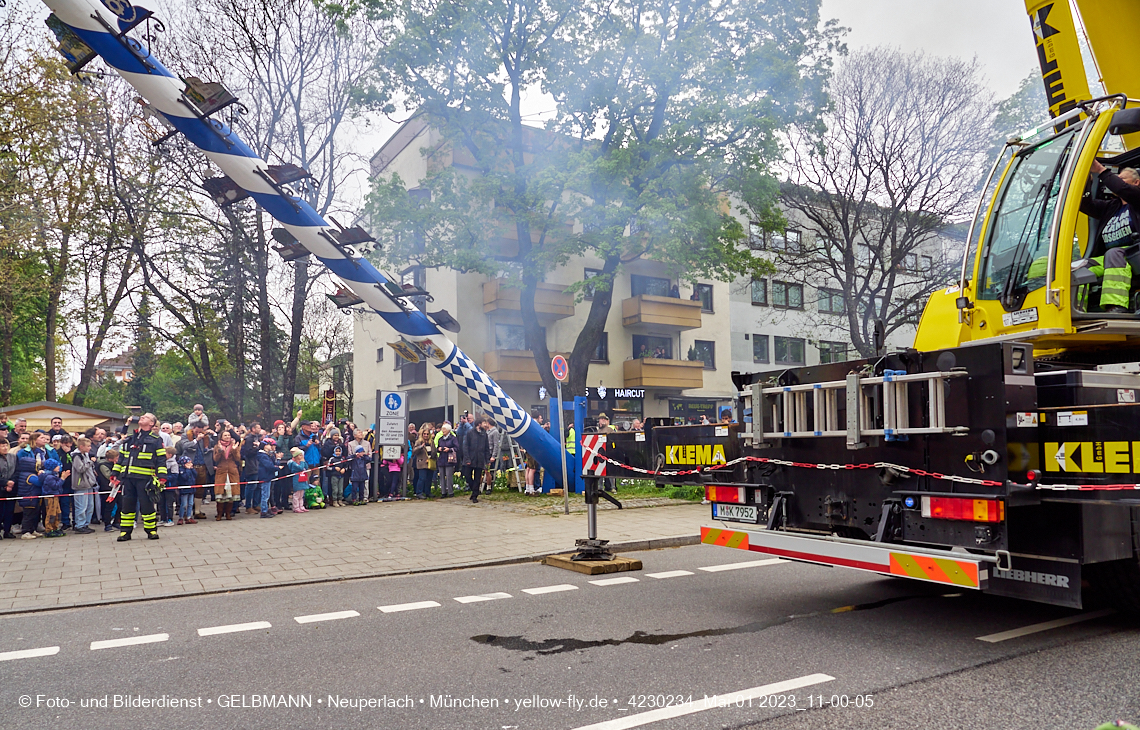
(908, 263)
(588, 289)
(704, 293)
(787, 295)
(416, 278)
(760, 292)
(649, 285)
(927, 264)
(513, 337)
(602, 352)
(789, 350)
(759, 348)
(789, 241)
(831, 301)
(647, 346)
(755, 236)
(379, 354)
(832, 352)
(705, 351)
(414, 373)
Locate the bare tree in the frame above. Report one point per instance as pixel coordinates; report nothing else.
(296, 70)
(897, 165)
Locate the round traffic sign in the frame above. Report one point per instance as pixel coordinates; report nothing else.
(393, 401)
(559, 367)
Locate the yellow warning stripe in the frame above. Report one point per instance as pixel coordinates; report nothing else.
(724, 538)
(938, 570)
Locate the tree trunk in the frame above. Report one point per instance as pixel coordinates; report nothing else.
(265, 317)
(289, 379)
(51, 316)
(6, 334)
(95, 349)
(238, 323)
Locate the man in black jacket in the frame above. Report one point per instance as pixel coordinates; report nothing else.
(1119, 219)
(476, 453)
(141, 470)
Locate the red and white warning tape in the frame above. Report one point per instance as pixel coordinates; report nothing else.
(176, 487)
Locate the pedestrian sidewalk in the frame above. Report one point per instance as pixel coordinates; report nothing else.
(345, 542)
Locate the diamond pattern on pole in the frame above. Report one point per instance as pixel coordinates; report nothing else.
(471, 379)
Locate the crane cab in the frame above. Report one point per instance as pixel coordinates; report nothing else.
(1026, 272)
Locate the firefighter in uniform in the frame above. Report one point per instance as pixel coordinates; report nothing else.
(141, 470)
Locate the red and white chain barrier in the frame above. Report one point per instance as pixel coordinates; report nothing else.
(809, 465)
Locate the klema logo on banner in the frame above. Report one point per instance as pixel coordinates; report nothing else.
(701, 454)
(1093, 457)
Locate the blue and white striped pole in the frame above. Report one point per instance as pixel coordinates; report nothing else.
(98, 25)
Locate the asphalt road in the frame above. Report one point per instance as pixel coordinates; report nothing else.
(875, 652)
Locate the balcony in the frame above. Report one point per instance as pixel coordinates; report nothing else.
(513, 366)
(650, 372)
(551, 302)
(660, 314)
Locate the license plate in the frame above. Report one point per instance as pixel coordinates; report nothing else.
(736, 512)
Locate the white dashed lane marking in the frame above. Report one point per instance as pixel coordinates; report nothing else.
(129, 641)
(727, 700)
(615, 581)
(484, 597)
(550, 589)
(29, 653)
(334, 616)
(1046, 626)
(738, 566)
(396, 608)
(669, 574)
(234, 628)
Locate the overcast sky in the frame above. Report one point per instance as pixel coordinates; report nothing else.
(996, 31)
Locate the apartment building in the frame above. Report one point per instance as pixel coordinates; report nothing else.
(666, 349)
(793, 318)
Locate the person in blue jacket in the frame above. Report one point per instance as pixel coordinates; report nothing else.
(51, 485)
(358, 476)
(266, 472)
(30, 462)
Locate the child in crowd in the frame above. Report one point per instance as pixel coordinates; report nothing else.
(51, 483)
(358, 477)
(391, 478)
(299, 469)
(83, 483)
(187, 479)
(266, 471)
(104, 473)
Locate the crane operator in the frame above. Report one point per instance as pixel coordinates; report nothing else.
(1119, 219)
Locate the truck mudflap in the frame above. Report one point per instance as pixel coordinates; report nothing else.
(932, 566)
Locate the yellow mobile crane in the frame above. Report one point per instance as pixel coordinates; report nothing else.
(1002, 452)
(1036, 277)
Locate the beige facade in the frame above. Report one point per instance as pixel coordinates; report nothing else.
(652, 314)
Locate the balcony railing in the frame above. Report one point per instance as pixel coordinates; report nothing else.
(648, 372)
(551, 301)
(662, 314)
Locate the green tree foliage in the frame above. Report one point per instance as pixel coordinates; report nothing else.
(664, 109)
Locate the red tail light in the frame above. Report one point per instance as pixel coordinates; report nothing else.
(958, 508)
(731, 495)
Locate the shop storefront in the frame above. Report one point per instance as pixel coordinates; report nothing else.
(690, 410)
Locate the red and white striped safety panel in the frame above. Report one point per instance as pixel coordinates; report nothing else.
(593, 455)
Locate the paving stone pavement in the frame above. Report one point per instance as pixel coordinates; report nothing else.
(343, 542)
